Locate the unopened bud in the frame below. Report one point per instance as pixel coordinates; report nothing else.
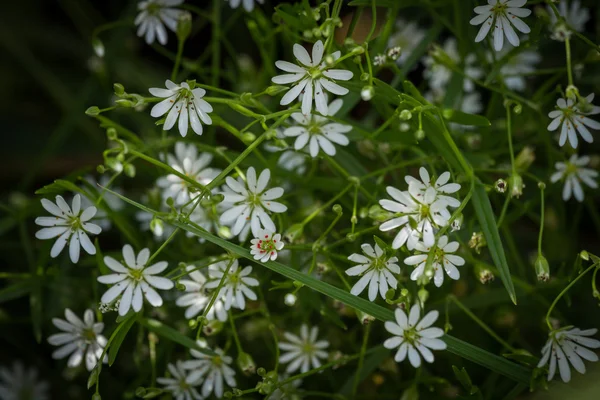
(248, 137)
(119, 89)
(542, 269)
(572, 92)
(98, 47)
(275, 89)
(364, 76)
(246, 364)
(124, 103)
(337, 209)
(367, 93)
(358, 50)
(477, 241)
(184, 26)
(92, 111)
(500, 186)
(457, 223)
(290, 299)
(516, 185)
(420, 134)
(584, 255)
(484, 274)
(423, 295)
(213, 327)
(157, 227)
(405, 115)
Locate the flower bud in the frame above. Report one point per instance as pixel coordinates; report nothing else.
(130, 170)
(572, 92)
(98, 47)
(96, 396)
(124, 103)
(157, 227)
(213, 327)
(111, 134)
(92, 111)
(248, 137)
(294, 232)
(365, 319)
(225, 232)
(420, 135)
(275, 89)
(290, 299)
(394, 53)
(405, 115)
(367, 93)
(329, 60)
(337, 209)
(500, 186)
(525, 158)
(364, 76)
(184, 26)
(584, 255)
(246, 364)
(358, 50)
(119, 89)
(404, 127)
(516, 185)
(484, 274)
(477, 241)
(423, 295)
(542, 269)
(457, 223)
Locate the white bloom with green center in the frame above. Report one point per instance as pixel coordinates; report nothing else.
(154, 15)
(312, 77)
(246, 203)
(317, 132)
(179, 383)
(575, 16)
(214, 369)
(70, 224)
(236, 286)
(573, 172)
(248, 4)
(377, 270)
(503, 15)
(572, 118)
(443, 260)
(427, 188)
(183, 104)
(407, 37)
(134, 281)
(413, 337)
(22, 383)
(187, 161)
(303, 352)
(196, 297)
(265, 246)
(79, 339)
(567, 347)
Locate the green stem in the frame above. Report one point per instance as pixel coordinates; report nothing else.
(213, 299)
(541, 222)
(361, 359)
(180, 44)
(162, 246)
(509, 133)
(326, 205)
(569, 70)
(236, 339)
(216, 48)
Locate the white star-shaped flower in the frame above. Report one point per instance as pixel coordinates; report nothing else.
(246, 203)
(317, 132)
(214, 369)
(503, 15)
(70, 224)
(196, 297)
(183, 104)
(413, 337)
(312, 76)
(179, 383)
(573, 172)
(443, 260)
(265, 246)
(573, 118)
(79, 339)
(20, 380)
(567, 347)
(134, 281)
(427, 188)
(575, 16)
(187, 161)
(154, 15)
(303, 352)
(237, 284)
(377, 271)
(248, 4)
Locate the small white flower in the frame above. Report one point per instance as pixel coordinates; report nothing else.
(377, 271)
(427, 188)
(471, 103)
(569, 346)
(154, 15)
(317, 132)
(573, 172)
(303, 352)
(179, 384)
(22, 384)
(236, 286)
(248, 4)
(184, 104)
(70, 224)
(443, 261)
(214, 369)
(573, 118)
(79, 339)
(289, 391)
(407, 37)
(266, 245)
(293, 161)
(518, 65)
(503, 14)
(246, 202)
(413, 337)
(575, 16)
(187, 161)
(134, 281)
(313, 77)
(196, 297)
(379, 59)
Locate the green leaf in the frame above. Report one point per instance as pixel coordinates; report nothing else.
(120, 334)
(465, 380)
(487, 220)
(455, 346)
(60, 186)
(35, 304)
(465, 119)
(173, 335)
(16, 290)
(371, 363)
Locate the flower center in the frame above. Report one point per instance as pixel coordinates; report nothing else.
(217, 361)
(136, 274)
(315, 72)
(88, 335)
(267, 244)
(424, 211)
(75, 223)
(314, 129)
(571, 169)
(153, 8)
(499, 9)
(308, 348)
(411, 336)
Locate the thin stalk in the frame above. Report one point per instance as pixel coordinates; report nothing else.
(361, 359)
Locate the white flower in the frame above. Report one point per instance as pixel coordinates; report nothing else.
(303, 352)
(575, 16)
(134, 280)
(154, 15)
(426, 188)
(376, 269)
(236, 286)
(293, 161)
(187, 161)
(407, 37)
(248, 4)
(70, 224)
(569, 347)
(471, 103)
(179, 384)
(501, 14)
(379, 59)
(80, 339)
(247, 201)
(318, 132)
(573, 172)
(213, 368)
(443, 261)
(518, 65)
(412, 335)
(573, 118)
(184, 104)
(196, 297)
(439, 75)
(266, 245)
(22, 384)
(289, 391)
(313, 78)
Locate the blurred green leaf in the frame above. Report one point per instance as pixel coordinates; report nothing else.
(120, 333)
(16, 290)
(465, 119)
(173, 335)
